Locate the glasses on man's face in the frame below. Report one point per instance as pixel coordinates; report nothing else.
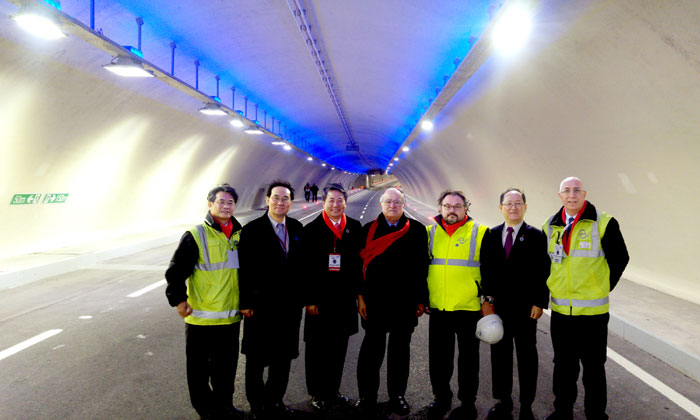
(450, 207)
(278, 199)
(517, 204)
(222, 203)
(393, 202)
(571, 191)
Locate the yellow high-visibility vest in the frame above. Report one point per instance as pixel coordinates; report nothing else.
(454, 274)
(212, 290)
(580, 284)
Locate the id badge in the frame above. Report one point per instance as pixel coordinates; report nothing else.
(558, 253)
(334, 262)
(232, 259)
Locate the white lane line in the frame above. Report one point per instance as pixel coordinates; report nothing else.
(648, 379)
(306, 217)
(28, 343)
(659, 386)
(147, 289)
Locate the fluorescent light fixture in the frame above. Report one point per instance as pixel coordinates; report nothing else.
(309, 158)
(236, 122)
(426, 125)
(287, 147)
(210, 108)
(253, 130)
(40, 21)
(406, 149)
(126, 66)
(512, 29)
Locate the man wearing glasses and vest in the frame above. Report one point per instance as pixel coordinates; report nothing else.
(203, 285)
(454, 279)
(588, 257)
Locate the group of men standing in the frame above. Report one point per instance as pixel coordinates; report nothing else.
(391, 272)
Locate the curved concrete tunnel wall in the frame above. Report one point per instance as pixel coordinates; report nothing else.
(614, 100)
(129, 163)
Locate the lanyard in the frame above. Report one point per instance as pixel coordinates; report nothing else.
(283, 243)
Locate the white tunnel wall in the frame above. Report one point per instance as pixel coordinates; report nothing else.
(129, 163)
(615, 100)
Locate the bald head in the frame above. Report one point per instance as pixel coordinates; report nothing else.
(572, 194)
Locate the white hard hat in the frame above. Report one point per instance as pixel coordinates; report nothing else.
(489, 329)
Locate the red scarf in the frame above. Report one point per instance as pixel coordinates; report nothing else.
(450, 229)
(339, 230)
(226, 229)
(566, 239)
(377, 246)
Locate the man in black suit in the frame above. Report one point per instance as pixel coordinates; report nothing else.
(271, 301)
(514, 270)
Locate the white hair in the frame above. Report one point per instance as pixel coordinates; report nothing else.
(403, 196)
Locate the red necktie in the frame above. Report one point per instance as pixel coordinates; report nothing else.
(509, 241)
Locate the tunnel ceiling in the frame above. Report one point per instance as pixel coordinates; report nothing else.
(385, 61)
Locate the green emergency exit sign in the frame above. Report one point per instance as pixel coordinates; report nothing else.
(49, 198)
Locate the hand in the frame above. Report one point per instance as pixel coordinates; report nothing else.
(312, 309)
(246, 312)
(184, 309)
(487, 309)
(535, 312)
(420, 309)
(362, 307)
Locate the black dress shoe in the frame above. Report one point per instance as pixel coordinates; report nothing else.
(318, 404)
(277, 410)
(230, 413)
(399, 406)
(500, 411)
(464, 412)
(558, 415)
(339, 399)
(366, 407)
(438, 408)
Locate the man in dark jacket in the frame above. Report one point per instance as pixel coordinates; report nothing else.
(271, 301)
(392, 297)
(514, 271)
(203, 285)
(331, 245)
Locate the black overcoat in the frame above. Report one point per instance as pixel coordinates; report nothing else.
(520, 281)
(396, 280)
(334, 292)
(271, 284)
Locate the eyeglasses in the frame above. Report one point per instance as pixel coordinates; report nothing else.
(570, 191)
(393, 202)
(450, 207)
(276, 199)
(509, 205)
(222, 203)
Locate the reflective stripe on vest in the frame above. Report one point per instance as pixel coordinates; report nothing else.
(455, 261)
(578, 303)
(231, 262)
(214, 315)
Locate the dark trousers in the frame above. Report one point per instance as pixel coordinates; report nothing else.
(523, 331)
(325, 360)
(260, 392)
(580, 339)
(443, 327)
(371, 358)
(212, 357)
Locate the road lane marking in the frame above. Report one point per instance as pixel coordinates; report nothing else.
(312, 214)
(648, 379)
(147, 289)
(28, 343)
(659, 386)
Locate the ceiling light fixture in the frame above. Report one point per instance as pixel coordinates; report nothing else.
(512, 29)
(40, 20)
(396, 159)
(236, 122)
(126, 66)
(426, 125)
(406, 149)
(210, 108)
(287, 147)
(252, 129)
(323, 164)
(309, 158)
(278, 143)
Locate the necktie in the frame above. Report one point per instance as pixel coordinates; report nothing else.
(571, 220)
(282, 236)
(509, 241)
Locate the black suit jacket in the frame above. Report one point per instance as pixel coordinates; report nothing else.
(270, 283)
(520, 281)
